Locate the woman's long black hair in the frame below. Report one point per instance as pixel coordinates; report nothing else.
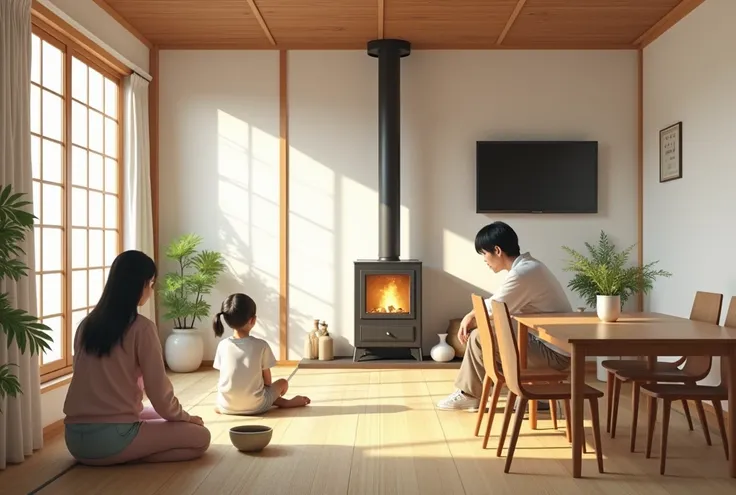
(117, 308)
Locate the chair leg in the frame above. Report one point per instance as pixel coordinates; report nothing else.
(651, 423)
(491, 413)
(703, 421)
(635, 393)
(616, 397)
(597, 433)
(515, 434)
(510, 401)
(568, 430)
(610, 379)
(666, 407)
(487, 383)
(553, 412)
(687, 415)
(718, 407)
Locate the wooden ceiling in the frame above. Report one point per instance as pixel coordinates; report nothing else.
(427, 24)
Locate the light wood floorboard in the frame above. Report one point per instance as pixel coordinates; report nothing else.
(378, 432)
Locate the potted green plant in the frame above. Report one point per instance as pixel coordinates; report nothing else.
(19, 326)
(606, 281)
(183, 296)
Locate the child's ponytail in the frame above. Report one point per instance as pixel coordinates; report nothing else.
(217, 325)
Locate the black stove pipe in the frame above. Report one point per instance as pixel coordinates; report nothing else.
(389, 53)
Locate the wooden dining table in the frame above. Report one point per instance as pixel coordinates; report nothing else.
(633, 334)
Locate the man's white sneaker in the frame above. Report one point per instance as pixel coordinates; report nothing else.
(458, 401)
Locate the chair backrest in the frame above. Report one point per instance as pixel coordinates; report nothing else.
(731, 314)
(707, 309)
(731, 323)
(507, 348)
(487, 340)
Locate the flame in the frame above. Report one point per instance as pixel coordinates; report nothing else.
(390, 296)
(388, 293)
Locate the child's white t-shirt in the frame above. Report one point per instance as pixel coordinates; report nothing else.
(241, 362)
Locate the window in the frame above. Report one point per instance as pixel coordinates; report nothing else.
(76, 146)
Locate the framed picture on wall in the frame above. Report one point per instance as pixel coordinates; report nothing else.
(670, 153)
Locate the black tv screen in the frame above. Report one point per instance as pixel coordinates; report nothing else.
(537, 176)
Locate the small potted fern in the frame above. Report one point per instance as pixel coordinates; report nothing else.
(183, 295)
(605, 280)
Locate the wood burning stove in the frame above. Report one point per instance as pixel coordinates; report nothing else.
(388, 291)
(388, 306)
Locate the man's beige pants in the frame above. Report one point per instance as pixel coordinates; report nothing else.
(472, 372)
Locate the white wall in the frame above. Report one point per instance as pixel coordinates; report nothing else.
(219, 169)
(450, 99)
(689, 76)
(90, 15)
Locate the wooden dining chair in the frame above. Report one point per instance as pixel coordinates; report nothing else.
(494, 376)
(706, 308)
(673, 392)
(509, 353)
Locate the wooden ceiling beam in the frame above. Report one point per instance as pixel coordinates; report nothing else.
(674, 16)
(123, 22)
(381, 18)
(261, 21)
(510, 22)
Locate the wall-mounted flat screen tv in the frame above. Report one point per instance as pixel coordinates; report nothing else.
(537, 176)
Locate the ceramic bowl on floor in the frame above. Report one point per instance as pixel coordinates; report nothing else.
(250, 438)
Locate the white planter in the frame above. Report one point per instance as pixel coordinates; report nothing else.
(184, 350)
(443, 351)
(608, 308)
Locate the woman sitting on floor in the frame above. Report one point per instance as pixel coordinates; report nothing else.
(114, 347)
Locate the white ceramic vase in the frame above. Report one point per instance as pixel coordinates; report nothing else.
(608, 308)
(442, 352)
(184, 350)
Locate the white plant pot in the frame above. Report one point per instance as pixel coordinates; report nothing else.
(184, 350)
(608, 308)
(442, 352)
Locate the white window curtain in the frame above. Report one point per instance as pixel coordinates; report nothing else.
(21, 431)
(138, 211)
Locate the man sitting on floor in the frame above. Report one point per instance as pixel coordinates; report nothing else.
(530, 287)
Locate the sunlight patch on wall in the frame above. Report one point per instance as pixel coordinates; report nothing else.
(248, 210)
(312, 218)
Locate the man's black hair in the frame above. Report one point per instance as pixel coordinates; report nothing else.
(497, 234)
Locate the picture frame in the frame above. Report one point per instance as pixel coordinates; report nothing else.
(670, 153)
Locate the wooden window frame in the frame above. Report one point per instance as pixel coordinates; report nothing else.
(48, 27)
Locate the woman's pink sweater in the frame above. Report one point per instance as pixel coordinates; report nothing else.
(106, 389)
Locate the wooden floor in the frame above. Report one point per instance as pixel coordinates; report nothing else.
(378, 432)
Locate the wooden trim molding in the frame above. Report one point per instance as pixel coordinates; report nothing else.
(640, 181)
(53, 429)
(123, 22)
(261, 21)
(53, 375)
(55, 383)
(679, 12)
(511, 21)
(381, 18)
(283, 205)
(43, 17)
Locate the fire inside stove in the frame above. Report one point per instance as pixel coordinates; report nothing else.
(390, 293)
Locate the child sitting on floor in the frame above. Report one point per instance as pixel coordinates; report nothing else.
(245, 364)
